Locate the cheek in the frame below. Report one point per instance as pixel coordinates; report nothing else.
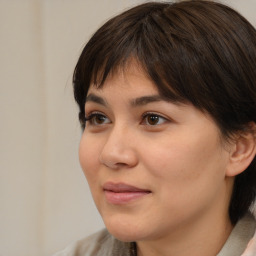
(186, 176)
(88, 152)
(190, 162)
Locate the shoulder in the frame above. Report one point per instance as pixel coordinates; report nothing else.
(98, 244)
(239, 238)
(87, 245)
(251, 247)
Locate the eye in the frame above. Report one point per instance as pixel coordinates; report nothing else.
(97, 119)
(153, 119)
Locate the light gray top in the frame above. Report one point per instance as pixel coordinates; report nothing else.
(239, 237)
(104, 244)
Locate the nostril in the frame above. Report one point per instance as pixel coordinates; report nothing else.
(113, 165)
(121, 164)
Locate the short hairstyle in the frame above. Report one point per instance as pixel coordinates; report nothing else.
(196, 51)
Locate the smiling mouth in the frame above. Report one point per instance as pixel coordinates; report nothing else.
(120, 193)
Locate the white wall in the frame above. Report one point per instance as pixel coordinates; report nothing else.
(22, 124)
(44, 199)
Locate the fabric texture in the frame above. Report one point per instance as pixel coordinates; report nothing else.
(241, 242)
(239, 238)
(99, 244)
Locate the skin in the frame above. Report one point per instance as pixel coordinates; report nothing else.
(176, 153)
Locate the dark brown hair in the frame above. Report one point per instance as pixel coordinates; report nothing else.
(197, 51)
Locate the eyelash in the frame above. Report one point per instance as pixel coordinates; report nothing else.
(91, 118)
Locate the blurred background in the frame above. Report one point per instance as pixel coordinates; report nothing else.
(45, 202)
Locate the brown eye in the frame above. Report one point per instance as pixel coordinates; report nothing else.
(97, 119)
(153, 119)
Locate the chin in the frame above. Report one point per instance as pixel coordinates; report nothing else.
(123, 230)
(124, 237)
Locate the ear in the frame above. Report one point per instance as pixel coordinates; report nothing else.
(242, 152)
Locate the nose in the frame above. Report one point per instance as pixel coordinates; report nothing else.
(119, 151)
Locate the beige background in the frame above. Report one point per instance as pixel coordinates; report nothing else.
(45, 203)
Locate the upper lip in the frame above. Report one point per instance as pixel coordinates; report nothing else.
(122, 187)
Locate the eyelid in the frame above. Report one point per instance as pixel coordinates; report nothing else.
(153, 113)
(92, 114)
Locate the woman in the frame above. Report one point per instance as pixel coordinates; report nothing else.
(167, 99)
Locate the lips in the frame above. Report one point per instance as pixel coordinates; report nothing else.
(121, 193)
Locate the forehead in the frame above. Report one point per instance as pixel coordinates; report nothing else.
(128, 66)
(130, 86)
(131, 82)
(129, 77)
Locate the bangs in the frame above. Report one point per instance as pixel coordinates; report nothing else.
(190, 50)
(136, 48)
(142, 39)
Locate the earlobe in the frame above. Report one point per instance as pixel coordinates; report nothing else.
(242, 153)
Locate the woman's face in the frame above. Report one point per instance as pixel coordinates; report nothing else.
(154, 167)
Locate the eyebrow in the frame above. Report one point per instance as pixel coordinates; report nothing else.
(96, 99)
(144, 100)
(140, 101)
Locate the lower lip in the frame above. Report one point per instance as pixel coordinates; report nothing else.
(123, 197)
